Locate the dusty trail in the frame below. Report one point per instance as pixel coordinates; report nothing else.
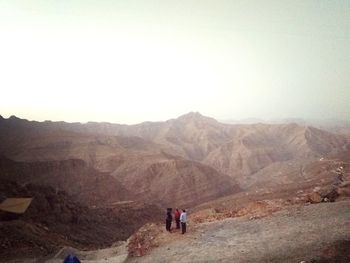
(312, 232)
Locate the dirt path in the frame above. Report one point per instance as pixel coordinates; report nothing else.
(311, 233)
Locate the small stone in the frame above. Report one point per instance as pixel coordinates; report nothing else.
(315, 198)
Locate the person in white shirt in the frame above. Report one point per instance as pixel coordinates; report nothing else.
(183, 220)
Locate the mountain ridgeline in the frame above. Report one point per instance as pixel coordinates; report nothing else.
(183, 161)
(95, 184)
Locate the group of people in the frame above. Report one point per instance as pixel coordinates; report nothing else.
(180, 217)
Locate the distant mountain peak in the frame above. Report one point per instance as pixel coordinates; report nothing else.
(195, 116)
(13, 117)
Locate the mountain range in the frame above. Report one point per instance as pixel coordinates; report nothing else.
(182, 161)
(106, 180)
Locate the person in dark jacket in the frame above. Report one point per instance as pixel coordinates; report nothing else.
(177, 218)
(168, 220)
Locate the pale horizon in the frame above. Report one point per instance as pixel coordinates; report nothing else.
(321, 122)
(130, 62)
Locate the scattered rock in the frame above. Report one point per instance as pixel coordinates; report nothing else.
(315, 198)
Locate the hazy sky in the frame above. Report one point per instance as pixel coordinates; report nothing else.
(132, 61)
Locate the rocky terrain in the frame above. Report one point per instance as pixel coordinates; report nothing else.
(55, 219)
(87, 185)
(258, 233)
(314, 233)
(96, 183)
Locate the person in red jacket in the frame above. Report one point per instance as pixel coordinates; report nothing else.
(177, 218)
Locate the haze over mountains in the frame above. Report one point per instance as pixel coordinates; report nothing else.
(139, 169)
(137, 154)
(193, 152)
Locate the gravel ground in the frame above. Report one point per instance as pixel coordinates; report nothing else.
(318, 233)
(311, 233)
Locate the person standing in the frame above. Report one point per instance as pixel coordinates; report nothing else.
(183, 219)
(168, 220)
(177, 218)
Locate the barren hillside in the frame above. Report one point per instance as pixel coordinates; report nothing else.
(174, 182)
(104, 173)
(84, 183)
(257, 146)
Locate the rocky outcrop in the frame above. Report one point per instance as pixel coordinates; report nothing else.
(54, 219)
(85, 184)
